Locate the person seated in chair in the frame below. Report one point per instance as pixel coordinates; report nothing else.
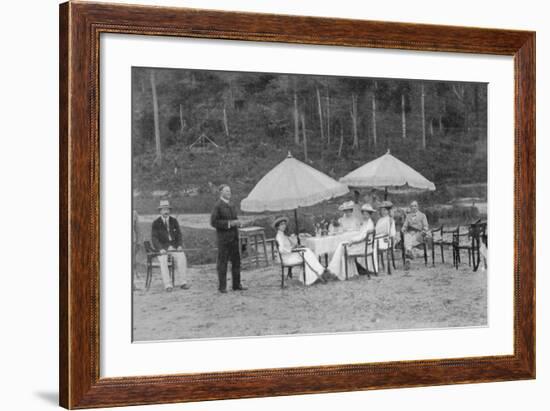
(292, 253)
(348, 222)
(366, 225)
(166, 238)
(385, 225)
(356, 245)
(416, 231)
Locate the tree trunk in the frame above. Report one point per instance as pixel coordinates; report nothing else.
(431, 128)
(353, 113)
(328, 118)
(225, 123)
(422, 110)
(304, 138)
(341, 145)
(231, 94)
(158, 157)
(320, 110)
(296, 120)
(374, 131)
(182, 121)
(476, 110)
(466, 119)
(442, 110)
(403, 117)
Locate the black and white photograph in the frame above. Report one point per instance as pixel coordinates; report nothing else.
(269, 204)
(275, 205)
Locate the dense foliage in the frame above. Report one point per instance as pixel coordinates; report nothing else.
(243, 124)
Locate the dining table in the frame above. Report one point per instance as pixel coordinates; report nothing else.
(325, 245)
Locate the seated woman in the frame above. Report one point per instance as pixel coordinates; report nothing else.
(314, 269)
(356, 245)
(385, 225)
(348, 222)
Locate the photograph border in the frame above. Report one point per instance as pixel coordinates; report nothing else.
(81, 25)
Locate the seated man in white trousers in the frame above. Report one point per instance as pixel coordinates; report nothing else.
(415, 231)
(166, 238)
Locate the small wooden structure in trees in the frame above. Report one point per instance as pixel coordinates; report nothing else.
(203, 144)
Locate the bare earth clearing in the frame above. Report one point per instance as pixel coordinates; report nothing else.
(426, 297)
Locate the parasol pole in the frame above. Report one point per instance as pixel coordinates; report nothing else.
(296, 225)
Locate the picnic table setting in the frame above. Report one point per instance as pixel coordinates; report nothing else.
(292, 185)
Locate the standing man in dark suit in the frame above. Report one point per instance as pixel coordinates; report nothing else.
(167, 239)
(224, 219)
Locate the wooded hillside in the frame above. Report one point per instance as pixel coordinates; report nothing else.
(193, 129)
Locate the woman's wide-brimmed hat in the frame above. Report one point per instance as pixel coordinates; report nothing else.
(164, 204)
(367, 207)
(279, 220)
(348, 205)
(385, 204)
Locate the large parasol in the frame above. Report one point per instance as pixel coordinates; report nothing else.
(389, 173)
(289, 185)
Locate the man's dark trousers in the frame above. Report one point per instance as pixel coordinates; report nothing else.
(229, 252)
(228, 243)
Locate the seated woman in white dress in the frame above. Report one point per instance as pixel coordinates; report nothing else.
(314, 269)
(348, 222)
(385, 224)
(356, 245)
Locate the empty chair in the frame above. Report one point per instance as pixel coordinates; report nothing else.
(478, 232)
(462, 240)
(442, 237)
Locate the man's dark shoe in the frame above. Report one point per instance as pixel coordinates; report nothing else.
(240, 288)
(185, 287)
(223, 291)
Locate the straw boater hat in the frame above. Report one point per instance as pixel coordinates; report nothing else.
(279, 220)
(164, 204)
(348, 205)
(385, 204)
(367, 207)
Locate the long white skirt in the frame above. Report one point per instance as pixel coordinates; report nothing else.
(337, 263)
(314, 269)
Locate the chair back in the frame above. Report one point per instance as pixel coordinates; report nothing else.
(383, 237)
(437, 233)
(478, 231)
(369, 241)
(460, 235)
(448, 233)
(148, 247)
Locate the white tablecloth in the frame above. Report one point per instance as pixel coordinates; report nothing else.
(327, 244)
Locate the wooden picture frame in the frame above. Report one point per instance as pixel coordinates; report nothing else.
(80, 27)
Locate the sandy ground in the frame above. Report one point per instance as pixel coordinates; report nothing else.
(425, 297)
